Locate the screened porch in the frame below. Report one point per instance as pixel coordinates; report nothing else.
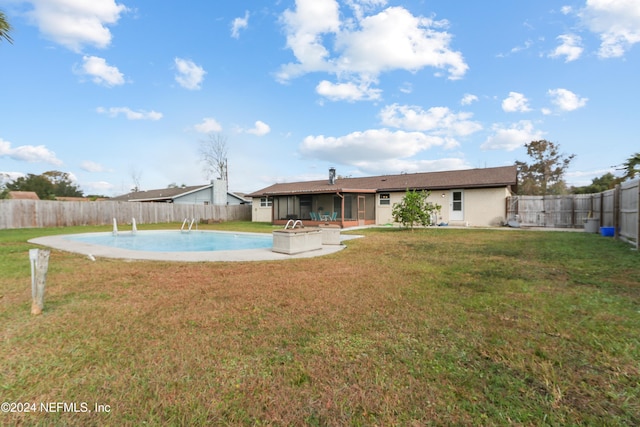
(342, 209)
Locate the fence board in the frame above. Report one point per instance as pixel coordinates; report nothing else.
(619, 208)
(47, 213)
(629, 207)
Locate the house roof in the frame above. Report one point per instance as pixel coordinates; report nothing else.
(23, 195)
(240, 196)
(163, 194)
(468, 178)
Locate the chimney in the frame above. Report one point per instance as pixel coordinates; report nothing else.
(332, 176)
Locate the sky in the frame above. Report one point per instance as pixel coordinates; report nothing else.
(118, 93)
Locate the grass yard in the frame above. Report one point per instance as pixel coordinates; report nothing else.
(436, 327)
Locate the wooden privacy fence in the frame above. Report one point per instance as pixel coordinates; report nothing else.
(45, 213)
(618, 208)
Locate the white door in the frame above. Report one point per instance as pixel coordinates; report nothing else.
(456, 206)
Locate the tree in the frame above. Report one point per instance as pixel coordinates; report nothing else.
(47, 186)
(545, 175)
(63, 186)
(631, 166)
(414, 209)
(598, 185)
(5, 28)
(39, 184)
(136, 178)
(213, 153)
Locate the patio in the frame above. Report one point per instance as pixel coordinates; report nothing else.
(345, 209)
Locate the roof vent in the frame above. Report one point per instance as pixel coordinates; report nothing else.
(332, 176)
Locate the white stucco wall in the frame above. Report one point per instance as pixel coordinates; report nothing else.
(485, 206)
(482, 207)
(260, 213)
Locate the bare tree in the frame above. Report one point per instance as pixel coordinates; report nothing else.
(213, 153)
(136, 177)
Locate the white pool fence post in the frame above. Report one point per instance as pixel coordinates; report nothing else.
(39, 265)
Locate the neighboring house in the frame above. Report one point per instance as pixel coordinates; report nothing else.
(475, 197)
(73, 199)
(211, 194)
(23, 195)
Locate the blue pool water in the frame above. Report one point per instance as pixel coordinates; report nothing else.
(176, 241)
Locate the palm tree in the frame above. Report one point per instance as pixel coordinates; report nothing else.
(632, 166)
(5, 28)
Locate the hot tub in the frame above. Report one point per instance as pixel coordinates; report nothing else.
(297, 240)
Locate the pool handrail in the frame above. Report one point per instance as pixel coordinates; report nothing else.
(294, 224)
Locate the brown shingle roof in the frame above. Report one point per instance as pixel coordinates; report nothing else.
(158, 195)
(468, 178)
(23, 195)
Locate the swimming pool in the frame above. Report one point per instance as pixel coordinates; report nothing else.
(96, 245)
(176, 241)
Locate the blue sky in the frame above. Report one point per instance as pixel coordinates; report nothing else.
(118, 91)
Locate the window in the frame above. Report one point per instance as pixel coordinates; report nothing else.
(265, 202)
(385, 199)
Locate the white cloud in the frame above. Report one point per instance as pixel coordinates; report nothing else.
(374, 145)
(406, 87)
(361, 48)
(76, 23)
(260, 129)
(101, 72)
(6, 177)
(361, 7)
(395, 39)
(347, 91)
(99, 187)
(129, 113)
(515, 103)
(305, 27)
(569, 47)
(189, 75)
(93, 167)
(512, 137)
(29, 153)
(396, 166)
(566, 100)
(527, 44)
(616, 21)
(436, 120)
(239, 24)
(208, 125)
(468, 99)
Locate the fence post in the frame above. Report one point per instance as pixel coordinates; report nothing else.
(617, 214)
(638, 219)
(39, 264)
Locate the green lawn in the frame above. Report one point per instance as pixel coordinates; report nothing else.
(440, 326)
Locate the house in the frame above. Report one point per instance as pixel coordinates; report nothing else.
(214, 193)
(23, 195)
(475, 197)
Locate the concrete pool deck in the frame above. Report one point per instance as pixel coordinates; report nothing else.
(98, 251)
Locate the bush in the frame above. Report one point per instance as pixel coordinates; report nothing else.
(414, 209)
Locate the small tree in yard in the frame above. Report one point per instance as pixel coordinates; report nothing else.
(414, 209)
